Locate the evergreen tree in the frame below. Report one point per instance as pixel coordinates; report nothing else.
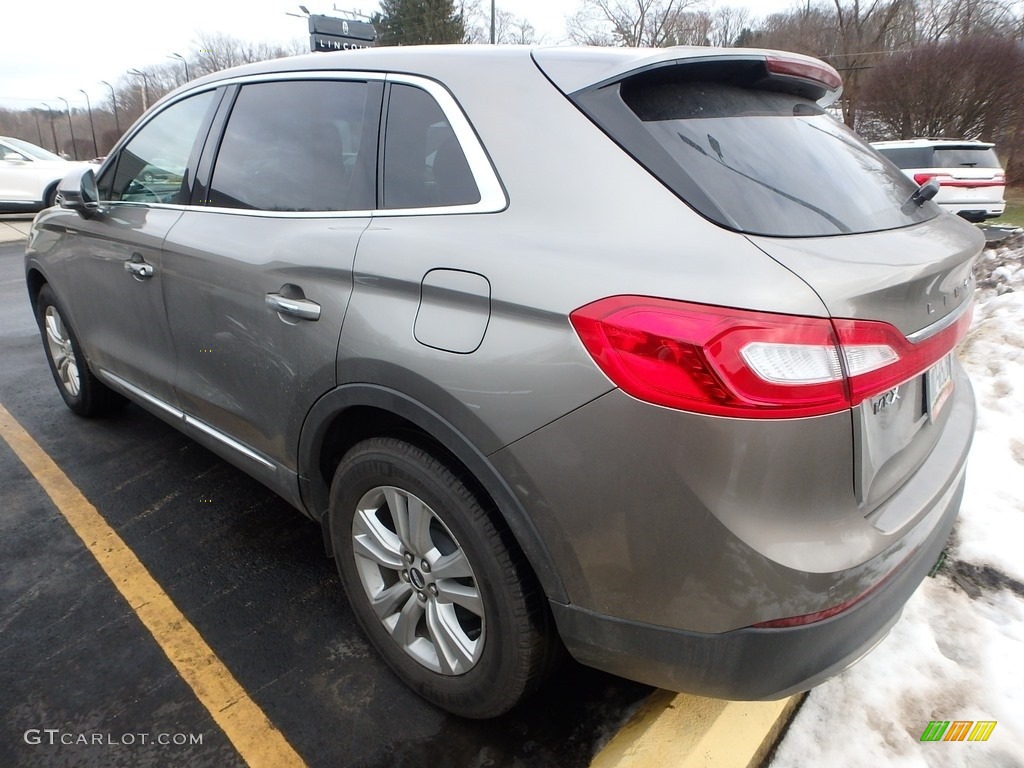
(419, 22)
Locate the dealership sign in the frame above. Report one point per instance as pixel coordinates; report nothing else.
(327, 33)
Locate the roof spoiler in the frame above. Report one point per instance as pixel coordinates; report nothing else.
(578, 69)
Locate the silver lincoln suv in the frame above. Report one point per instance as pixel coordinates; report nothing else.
(635, 353)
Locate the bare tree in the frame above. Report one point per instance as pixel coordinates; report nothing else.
(968, 88)
(633, 23)
(517, 30)
(944, 19)
(214, 51)
(863, 29)
(508, 27)
(808, 28)
(690, 28)
(727, 22)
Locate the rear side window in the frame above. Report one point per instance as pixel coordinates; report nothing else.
(908, 157)
(424, 165)
(757, 161)
(965, 157)
(297, 146)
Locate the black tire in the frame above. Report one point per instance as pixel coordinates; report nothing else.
(516, 646)
(90, 396)
(50, 198)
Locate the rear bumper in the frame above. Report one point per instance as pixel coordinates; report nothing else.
(754, 664)
(974, 210)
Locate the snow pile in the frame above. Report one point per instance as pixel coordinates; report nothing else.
(958, 651)
(999, 270)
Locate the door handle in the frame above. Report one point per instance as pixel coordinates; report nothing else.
(139, 269)
(302, 308)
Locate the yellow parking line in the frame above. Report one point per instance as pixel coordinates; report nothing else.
(253, 735)
(681, 731)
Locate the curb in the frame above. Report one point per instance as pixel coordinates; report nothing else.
(684, 731)
(11, 232)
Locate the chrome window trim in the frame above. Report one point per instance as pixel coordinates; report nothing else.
(492, 194)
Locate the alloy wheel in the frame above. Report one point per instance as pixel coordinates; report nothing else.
(61, 351)
(418, 580)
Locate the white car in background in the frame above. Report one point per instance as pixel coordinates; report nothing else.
(29, 175)
(971, 180)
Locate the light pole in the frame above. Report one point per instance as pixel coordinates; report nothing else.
(39, 130)
(113, 100)
(182, 60)
(49, 114)
(145, 87)
(492, 23)
(74, 147)
(92, 125)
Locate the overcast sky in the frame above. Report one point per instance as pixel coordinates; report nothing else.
(52, 48)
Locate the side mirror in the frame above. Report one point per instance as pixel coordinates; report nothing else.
(13, 157)
(77, 192)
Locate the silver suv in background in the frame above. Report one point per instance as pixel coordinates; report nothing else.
(971, 180)
(637, 353)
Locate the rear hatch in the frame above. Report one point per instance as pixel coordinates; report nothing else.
(966, 173)
(745, 139)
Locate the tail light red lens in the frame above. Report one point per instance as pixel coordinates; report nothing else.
(732, 362)
(924, 178)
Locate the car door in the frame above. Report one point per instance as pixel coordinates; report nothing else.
(257, 282)
(112, 277)
(19, 176)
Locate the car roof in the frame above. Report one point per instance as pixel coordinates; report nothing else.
(414, 59)
(578, 66)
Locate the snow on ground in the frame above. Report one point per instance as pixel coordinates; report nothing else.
(958, 651)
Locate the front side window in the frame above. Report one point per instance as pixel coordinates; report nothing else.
(153, 166)
(424, 165)
(297, 146)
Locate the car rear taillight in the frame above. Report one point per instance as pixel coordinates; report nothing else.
(947, 180)
(733, 362)
(924, 178)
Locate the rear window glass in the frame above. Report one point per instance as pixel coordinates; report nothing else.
(757, 161)
(424, 165)
(908, 157)
(966, 157)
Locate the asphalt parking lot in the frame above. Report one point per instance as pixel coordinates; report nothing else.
(83, 681)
